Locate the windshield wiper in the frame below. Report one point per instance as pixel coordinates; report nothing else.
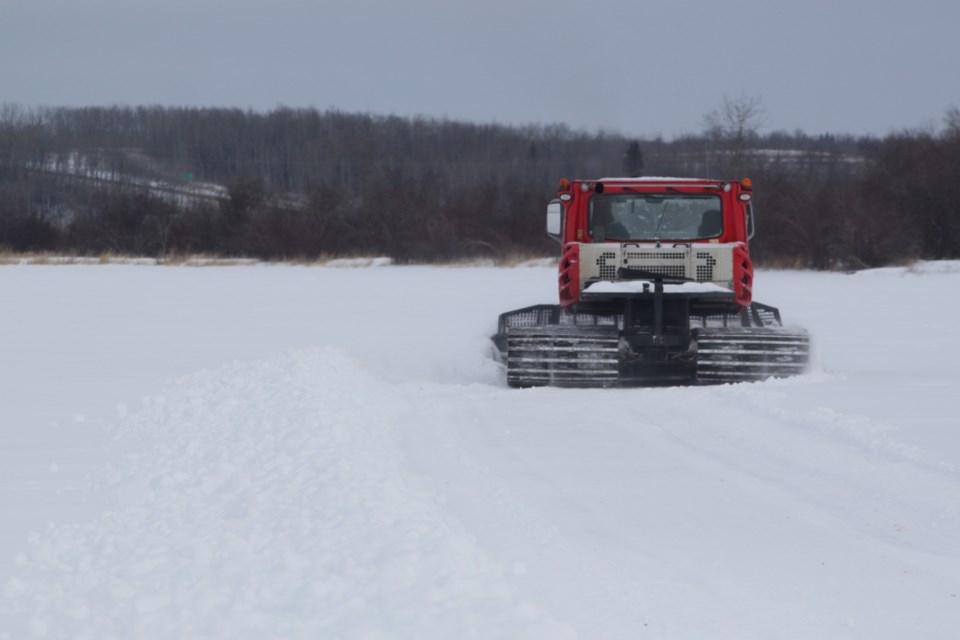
(656, 233)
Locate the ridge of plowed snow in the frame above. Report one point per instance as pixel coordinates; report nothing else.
(267, 500)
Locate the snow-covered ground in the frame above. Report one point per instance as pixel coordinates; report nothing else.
(303, 452)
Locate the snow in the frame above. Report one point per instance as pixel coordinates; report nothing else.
(359, 262)
(248, 452)
(86, 167)
(646, 286)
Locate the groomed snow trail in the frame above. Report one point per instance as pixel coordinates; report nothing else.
(702, 512)
(373, 478)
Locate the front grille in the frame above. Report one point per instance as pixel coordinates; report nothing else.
(699, 262)
(705, 264)
(669, 271)
(650, 255)
(607, 271)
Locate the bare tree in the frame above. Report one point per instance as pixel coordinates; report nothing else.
(952, 121)
(730, 127)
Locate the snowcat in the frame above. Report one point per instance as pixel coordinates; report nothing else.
(655, 284)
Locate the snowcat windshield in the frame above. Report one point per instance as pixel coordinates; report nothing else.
(655, 216)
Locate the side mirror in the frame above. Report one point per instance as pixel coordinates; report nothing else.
(750, 224)
(555, 220)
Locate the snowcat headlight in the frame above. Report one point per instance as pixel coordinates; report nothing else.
(745, 197)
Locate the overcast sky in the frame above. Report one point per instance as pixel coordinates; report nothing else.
(641, 68)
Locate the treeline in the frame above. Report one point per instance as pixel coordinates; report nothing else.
(299, 183)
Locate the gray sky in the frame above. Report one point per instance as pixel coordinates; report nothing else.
(632, 66)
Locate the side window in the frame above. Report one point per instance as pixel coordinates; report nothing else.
(555, 220)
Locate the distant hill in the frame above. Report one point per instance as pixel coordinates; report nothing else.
(301, 183)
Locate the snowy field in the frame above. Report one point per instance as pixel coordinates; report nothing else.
(303, 452)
